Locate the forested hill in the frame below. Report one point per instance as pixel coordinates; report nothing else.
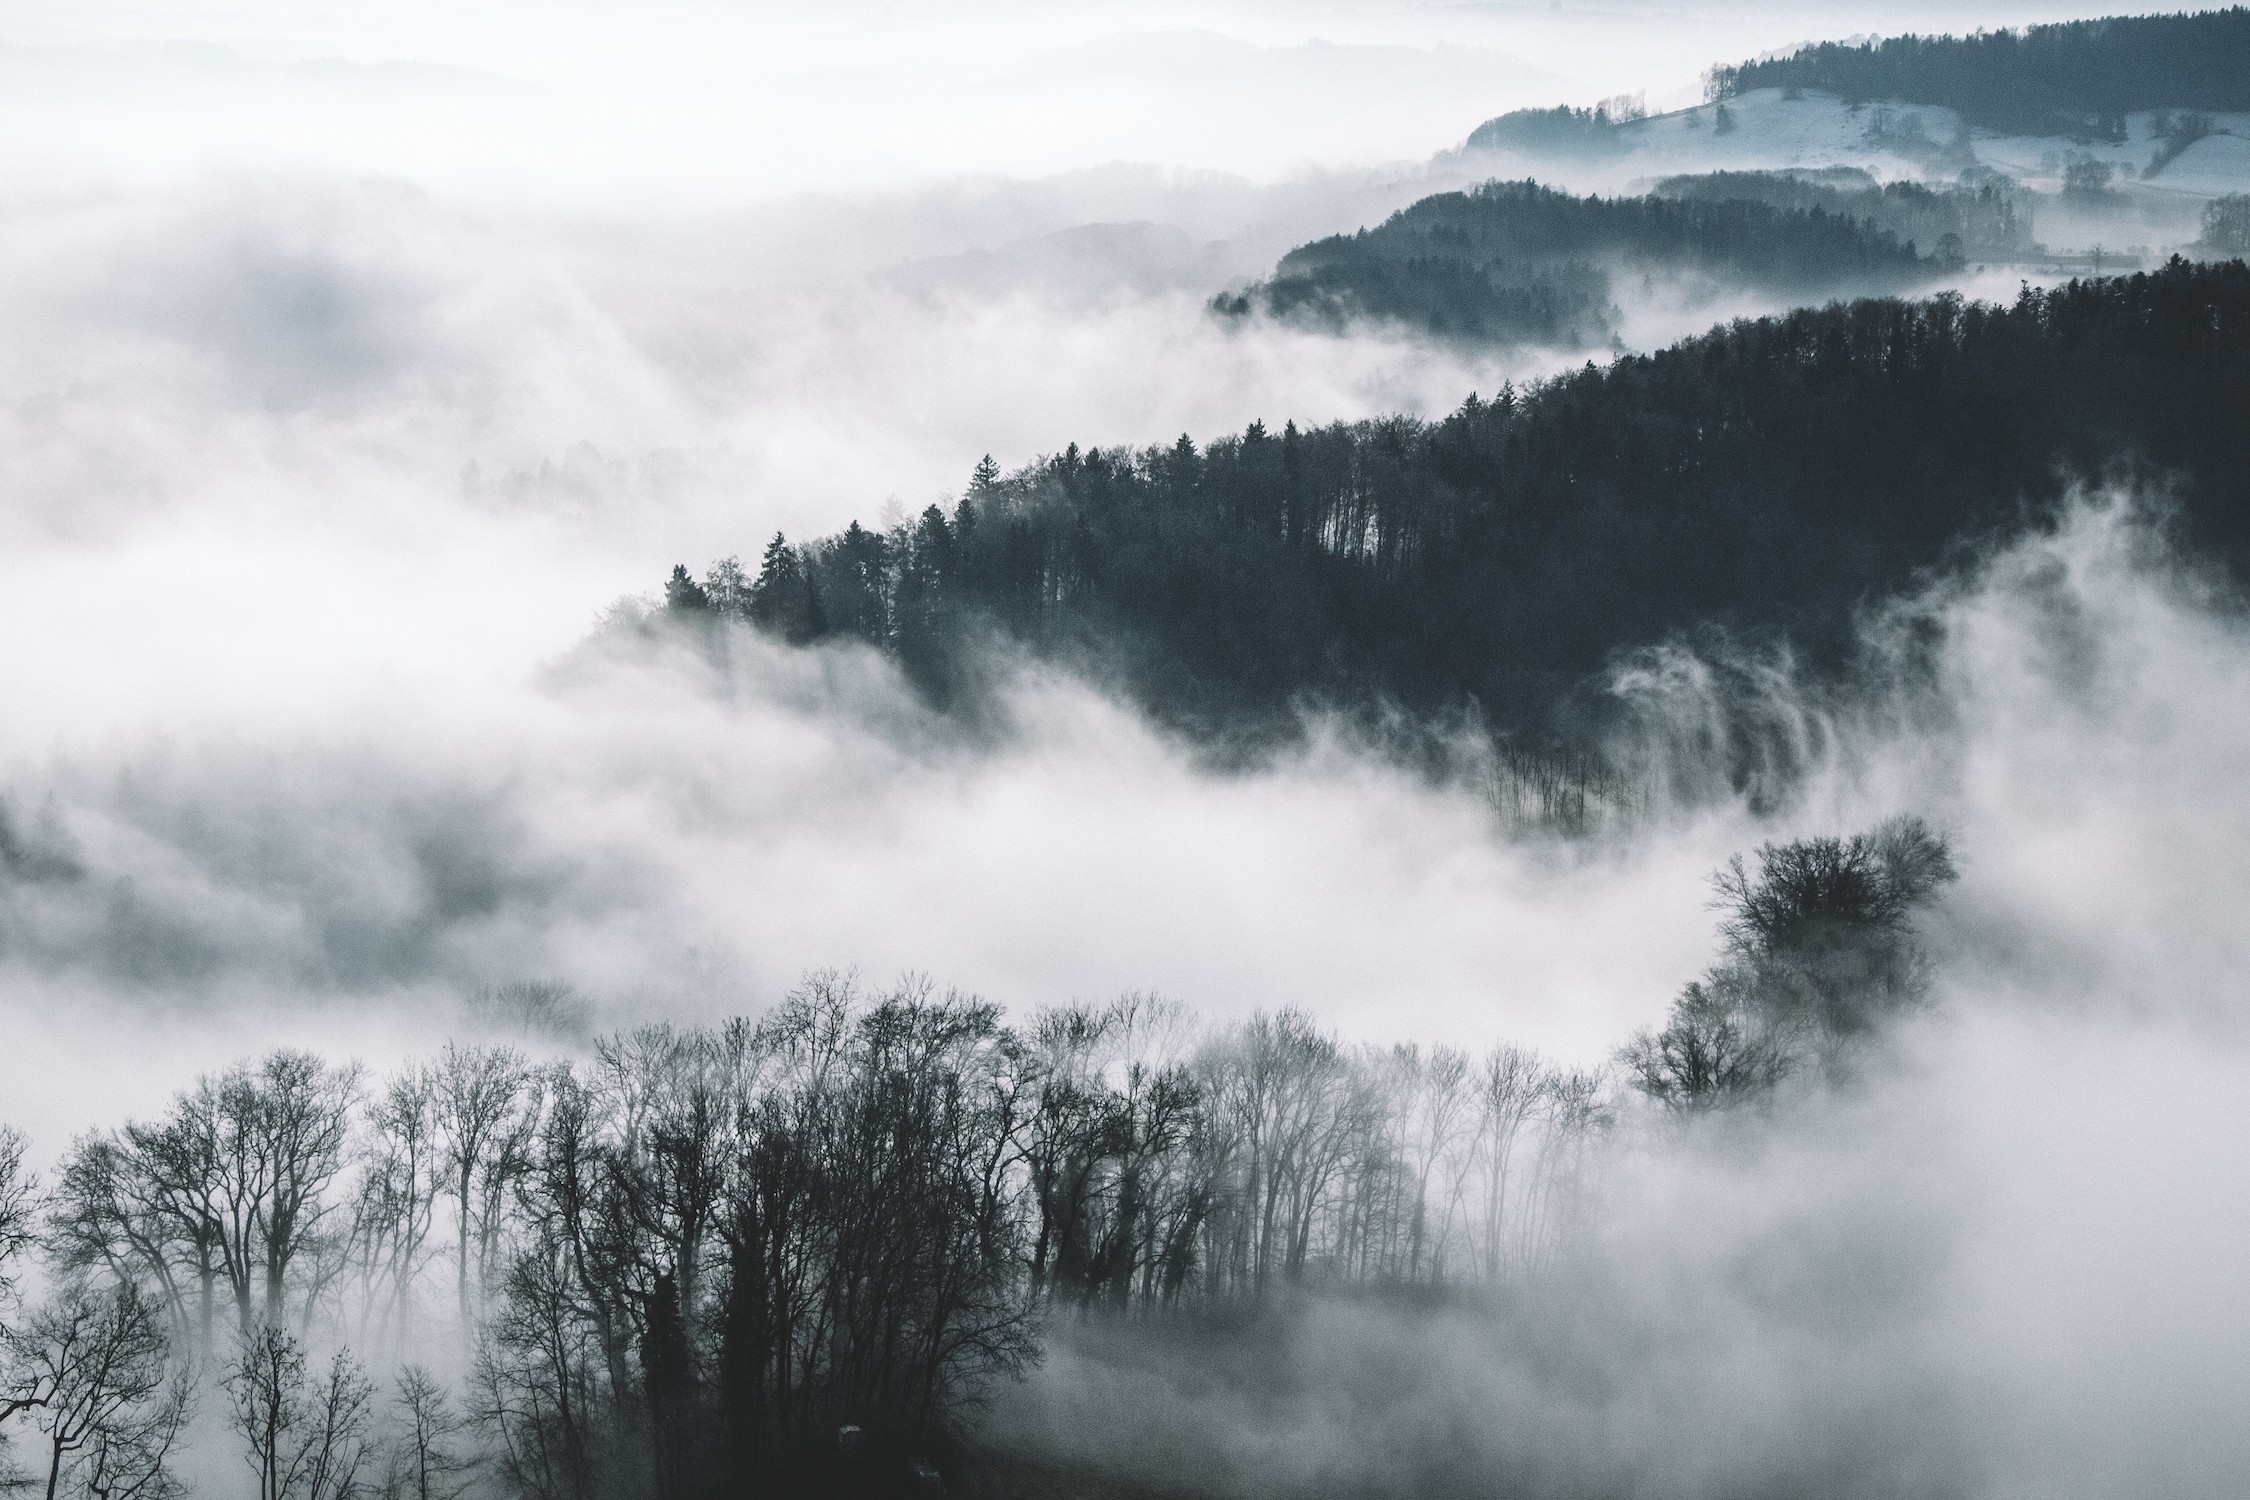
(1514, 262)
(1770, 476)
(2076, 78)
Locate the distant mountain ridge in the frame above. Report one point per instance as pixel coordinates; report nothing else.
(2074, 78)
(1515, 262)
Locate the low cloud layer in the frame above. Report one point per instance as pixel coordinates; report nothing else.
(2004, 1268)
(2000, 1261)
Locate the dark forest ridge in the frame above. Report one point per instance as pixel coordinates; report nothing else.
(1514, 262)
(1774, 476)
(2076, 78)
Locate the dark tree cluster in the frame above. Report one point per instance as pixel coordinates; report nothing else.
(1514, 262)
(2074, 78)
(1985, 220)
(1773, 477)
(1563, 131)
(2226, 225)
(1821, 952)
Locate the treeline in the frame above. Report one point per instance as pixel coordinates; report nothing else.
(790, 1251)
(2075, 78)
(1770, 478)
(683, 1266)
(1563, 131)
(1514, 262)
(1952, 223)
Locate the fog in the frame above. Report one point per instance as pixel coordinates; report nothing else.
(2007, 1274)
(1997, 1263)
(361, 358)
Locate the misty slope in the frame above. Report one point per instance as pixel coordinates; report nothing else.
(2078, 78)
(1516, 262)
(1771, 478)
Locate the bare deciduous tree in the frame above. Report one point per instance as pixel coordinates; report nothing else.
(17, 1189)
(425, 1458)
(478, 1093)
(305, 1437)
(93, 1373)
(401, 1175)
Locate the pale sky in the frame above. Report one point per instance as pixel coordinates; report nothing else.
(681, 103)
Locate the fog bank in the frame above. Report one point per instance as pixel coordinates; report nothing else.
(1998, 1261)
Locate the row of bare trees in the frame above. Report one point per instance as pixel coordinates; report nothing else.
(697, 1253)
(1272, 1155)
(280, 1190)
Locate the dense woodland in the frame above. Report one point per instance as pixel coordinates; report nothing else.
(2076, 78)
(680, 1262)
(1986, 221)
(1769, 479)
(1514, 262)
